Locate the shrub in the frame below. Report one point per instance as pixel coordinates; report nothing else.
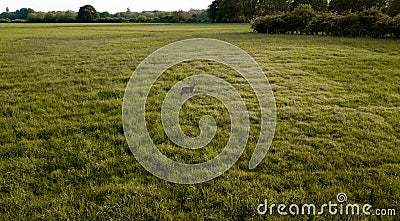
(395, 26)
(18, 21)
(302, 16)
(370, 22)
(5, 20)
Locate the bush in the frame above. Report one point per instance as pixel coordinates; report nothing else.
(262, 24)
(5, 20)
(19, 21)
(302, 16)
(395, 26)
(347, 26)
(370, 22)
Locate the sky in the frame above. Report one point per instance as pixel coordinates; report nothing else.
(105, 5)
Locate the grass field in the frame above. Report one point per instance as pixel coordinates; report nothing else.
(63, 154)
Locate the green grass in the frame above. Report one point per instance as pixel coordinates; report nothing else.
(63, 154)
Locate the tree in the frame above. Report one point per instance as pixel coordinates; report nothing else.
(68, 16)
(36, 17)
(341, 6)
(50, 17)
(23, 13)
(269, 7)
(226, 11)
(105, 14)
(179, 15)
(142, 18)
(301, 16)
(317, 5)
(396, 25)
(214, 12)
(7, 10)
(87, 13)
(344, 6)
(393, 8)
(250, 9)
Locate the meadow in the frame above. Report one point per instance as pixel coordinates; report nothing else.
(64, 156)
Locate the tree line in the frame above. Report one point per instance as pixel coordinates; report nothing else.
(376, 18)
(304, 19)
(88, 13)
(247, 10)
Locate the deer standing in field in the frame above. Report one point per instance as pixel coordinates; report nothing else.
(188, 90)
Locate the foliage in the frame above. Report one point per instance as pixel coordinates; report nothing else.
(393, 7)
(21, 14)
(369, 22)
(395, 25)
(345, 6)
(246, 10)
(226, 11)
(301, 17)
(66, 17)
(87, 13)
(191, 16)
(317, 5)
(5, 20)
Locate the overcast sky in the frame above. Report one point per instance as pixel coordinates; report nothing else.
(105, 5)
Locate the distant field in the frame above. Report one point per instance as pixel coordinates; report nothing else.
(63, 154)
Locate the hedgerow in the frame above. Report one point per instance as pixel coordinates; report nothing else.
(304, 20)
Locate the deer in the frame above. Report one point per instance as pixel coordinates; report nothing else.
(188, 90)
